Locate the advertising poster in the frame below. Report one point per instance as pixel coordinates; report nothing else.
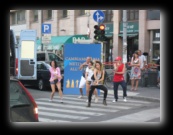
(74, 56)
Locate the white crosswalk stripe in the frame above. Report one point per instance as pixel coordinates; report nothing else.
(75, 109)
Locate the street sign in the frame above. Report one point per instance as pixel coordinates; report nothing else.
(45, 42)
(46, 28)
(99, 16)
(46, 39)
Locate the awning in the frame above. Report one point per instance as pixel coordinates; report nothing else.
(129, 35)
(57, 41)
(57, 47)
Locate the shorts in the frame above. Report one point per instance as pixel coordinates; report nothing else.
(54, 82)
(82, 82)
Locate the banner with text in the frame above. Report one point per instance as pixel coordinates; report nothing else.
(74, 56)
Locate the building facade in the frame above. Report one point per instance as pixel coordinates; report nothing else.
(143, 29)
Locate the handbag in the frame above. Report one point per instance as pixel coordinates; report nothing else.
(92, 77)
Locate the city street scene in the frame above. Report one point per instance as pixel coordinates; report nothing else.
(89, 66)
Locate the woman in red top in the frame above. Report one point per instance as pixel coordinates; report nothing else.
(119, 69)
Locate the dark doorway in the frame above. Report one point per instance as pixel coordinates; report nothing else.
(132, 46)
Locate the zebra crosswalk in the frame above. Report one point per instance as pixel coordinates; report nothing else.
(74, 110)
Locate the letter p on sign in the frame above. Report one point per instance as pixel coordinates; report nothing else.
(46, 28)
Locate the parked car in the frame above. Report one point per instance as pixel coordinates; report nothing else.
(49, 56)
(23, 107)
(43, 76)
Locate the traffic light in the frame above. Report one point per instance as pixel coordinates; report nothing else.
(96, 32)
(99, 32)
(102, 32)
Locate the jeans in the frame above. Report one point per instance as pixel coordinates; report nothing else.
(123, 85)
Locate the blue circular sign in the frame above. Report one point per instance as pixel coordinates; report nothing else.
(99, 16)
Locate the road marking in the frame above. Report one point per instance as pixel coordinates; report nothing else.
(51, 120)
(142, 116)
(62, 115)
(104, 109)
(109, 98)
(99, 104)
(69, 111)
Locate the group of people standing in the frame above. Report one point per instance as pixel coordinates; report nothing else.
(96, 70)
(93, 77)
(138, 63)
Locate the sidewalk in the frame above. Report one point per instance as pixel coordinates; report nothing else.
(145, 93)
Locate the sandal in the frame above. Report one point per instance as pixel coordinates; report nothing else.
(132, 89)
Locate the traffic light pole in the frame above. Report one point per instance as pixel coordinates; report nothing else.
(124, 47)
(124, 53)
(41, 16)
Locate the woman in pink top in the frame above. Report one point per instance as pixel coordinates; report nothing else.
(55, 80)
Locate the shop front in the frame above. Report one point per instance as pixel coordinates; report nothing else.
(57, 42)
(132, 37)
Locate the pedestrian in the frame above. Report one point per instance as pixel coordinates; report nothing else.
(158, 69)
(118, 79)
(55, 80)
(89, 73)
(142, 59)
(99, 74)
(143, 64)
(135, 71)
(83, 80)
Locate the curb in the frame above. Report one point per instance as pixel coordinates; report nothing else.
(145, 98)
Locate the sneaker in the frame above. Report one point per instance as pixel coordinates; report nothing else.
(50, 100)
(96, 99)
(114, 101)
(89, 104)
(80, 96)
(125, 100)
(93, 97)
(87, 100)
(61, 101)
(104, 102)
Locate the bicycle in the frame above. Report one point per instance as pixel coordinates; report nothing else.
(128, 76)
(109, 80)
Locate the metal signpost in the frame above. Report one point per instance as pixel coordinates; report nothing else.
(99, 17)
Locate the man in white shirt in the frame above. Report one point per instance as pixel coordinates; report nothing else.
(83, 81)
(142, 59)
(142, 66)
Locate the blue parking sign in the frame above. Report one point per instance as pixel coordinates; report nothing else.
(46, 28)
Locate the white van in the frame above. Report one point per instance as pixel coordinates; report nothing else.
(49, 56)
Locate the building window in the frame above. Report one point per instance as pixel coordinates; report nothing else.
(156, 51)
(132, 15)
(49, 14)
(13, 18)
(21, 17)
(35, 15)
(81, 12)
(64, 13)
(156, 35)
(153, 14)
(108, 16)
